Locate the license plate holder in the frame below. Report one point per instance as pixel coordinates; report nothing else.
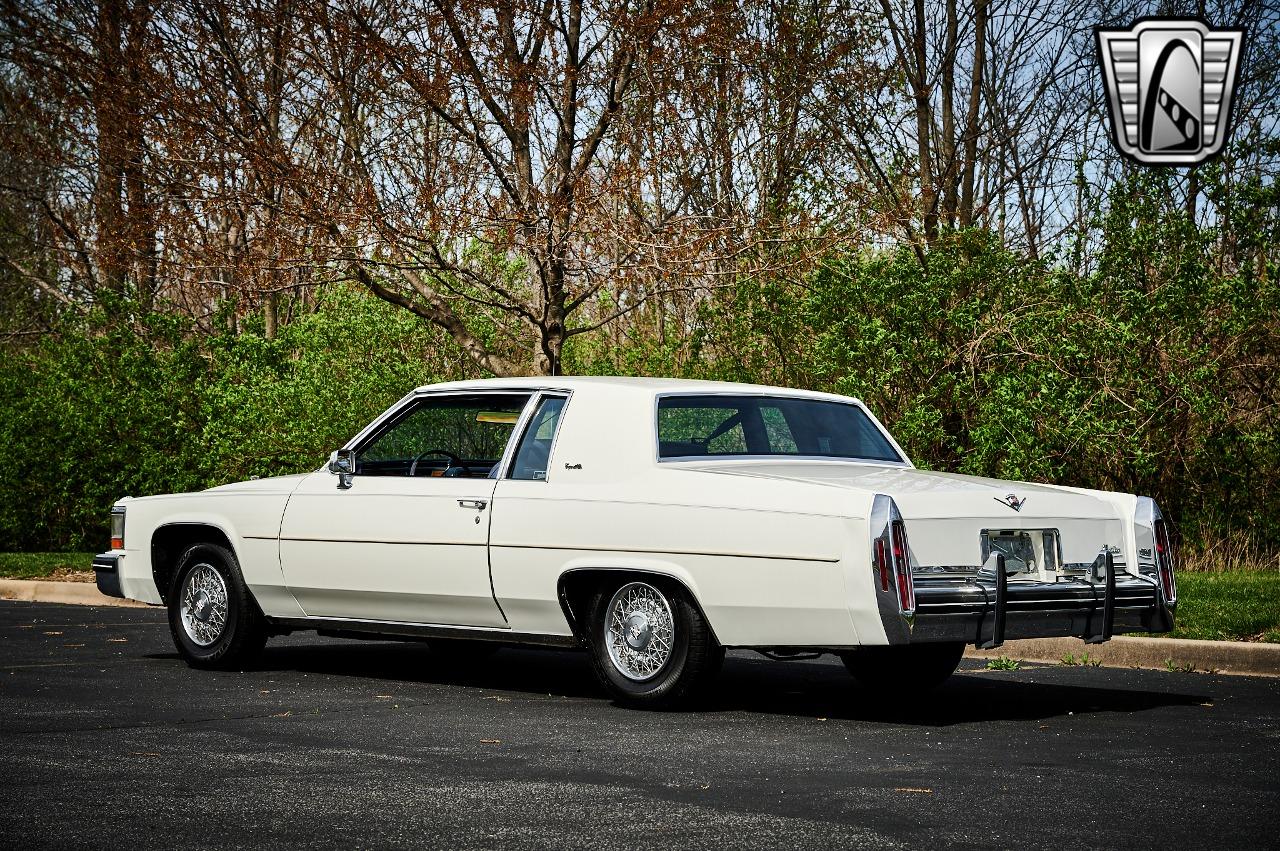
(1024, 550)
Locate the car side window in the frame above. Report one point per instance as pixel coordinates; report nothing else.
(710, 429)
(730, 442)
(716, 424)
(454, 436)
(534, 452)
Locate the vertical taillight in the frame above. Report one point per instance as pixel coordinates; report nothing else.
(891, 556)
(882, 563)
(902, 567)
(1164, 562)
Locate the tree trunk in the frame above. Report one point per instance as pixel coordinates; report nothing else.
(948, 151)
(270, 315)
(972, 123)
(924, 123)
(108, 191)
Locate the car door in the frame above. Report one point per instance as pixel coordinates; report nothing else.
(408, 540)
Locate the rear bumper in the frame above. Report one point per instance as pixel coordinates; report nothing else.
(106, 570)
(978, 611)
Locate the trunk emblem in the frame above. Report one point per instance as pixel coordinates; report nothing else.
(1012, 501)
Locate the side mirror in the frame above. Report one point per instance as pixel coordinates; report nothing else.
(343, 464)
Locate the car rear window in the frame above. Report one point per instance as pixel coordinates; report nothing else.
(717, 426)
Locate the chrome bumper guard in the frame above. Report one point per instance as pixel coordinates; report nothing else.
(988, 609)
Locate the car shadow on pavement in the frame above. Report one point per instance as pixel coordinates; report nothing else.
(798, 689)
(564, 673)
(967, 697)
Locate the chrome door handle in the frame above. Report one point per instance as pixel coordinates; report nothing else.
(477, 504)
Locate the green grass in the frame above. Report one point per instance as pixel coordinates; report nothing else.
(1234, 605)
(1003, 663)
(41, 565)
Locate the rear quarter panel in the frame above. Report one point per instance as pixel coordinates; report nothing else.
(762, 576)
(766, 560)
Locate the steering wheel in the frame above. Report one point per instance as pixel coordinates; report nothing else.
(454, 460)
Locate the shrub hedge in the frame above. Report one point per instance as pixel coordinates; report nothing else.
(1154, 373)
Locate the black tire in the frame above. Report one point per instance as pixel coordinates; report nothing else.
(243, 632)
(692, 662)
(909, 669)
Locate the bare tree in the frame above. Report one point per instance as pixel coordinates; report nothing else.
(76, 101)
(464, 158)
(520, 173)
(977, 110)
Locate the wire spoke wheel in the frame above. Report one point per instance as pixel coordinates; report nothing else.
(640, 631)
(204, 605)
(213, 618)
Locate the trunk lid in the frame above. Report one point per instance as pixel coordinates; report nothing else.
(947, 513)
(926, 494)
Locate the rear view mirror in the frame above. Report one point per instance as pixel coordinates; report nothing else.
(343, 463)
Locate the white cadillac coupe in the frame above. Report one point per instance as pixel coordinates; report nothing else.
(652, 522)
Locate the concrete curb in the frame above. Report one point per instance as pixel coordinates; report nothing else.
(76, 593)
(1221, 657)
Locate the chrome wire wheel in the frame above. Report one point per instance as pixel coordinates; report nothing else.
(204, 605)
(639, 631)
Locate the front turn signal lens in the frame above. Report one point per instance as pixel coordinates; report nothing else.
(117, 528)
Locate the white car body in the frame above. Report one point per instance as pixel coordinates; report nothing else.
(777, 552)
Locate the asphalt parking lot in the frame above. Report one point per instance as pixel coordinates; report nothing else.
(109, 740)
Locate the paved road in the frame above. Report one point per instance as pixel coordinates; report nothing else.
(106, 738)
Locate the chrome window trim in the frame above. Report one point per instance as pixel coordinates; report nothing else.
(377, 421)
(522, 422)
(800, 395)
(814, 459)
(509, 459)
(410, 401)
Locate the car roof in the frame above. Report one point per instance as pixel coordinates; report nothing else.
(639, 385)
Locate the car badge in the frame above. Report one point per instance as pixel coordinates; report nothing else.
(1012, 501)
(1169, 85)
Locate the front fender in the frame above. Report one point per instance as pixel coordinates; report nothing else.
(249, 522)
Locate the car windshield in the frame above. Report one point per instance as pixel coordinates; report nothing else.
(715, 426)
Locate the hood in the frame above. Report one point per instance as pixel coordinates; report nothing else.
(274, 484)
(925, 494)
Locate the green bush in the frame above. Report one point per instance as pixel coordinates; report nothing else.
(1150, 375)
(98, 412)
(1155, 371)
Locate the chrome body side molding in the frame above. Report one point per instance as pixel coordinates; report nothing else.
(351, 628)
